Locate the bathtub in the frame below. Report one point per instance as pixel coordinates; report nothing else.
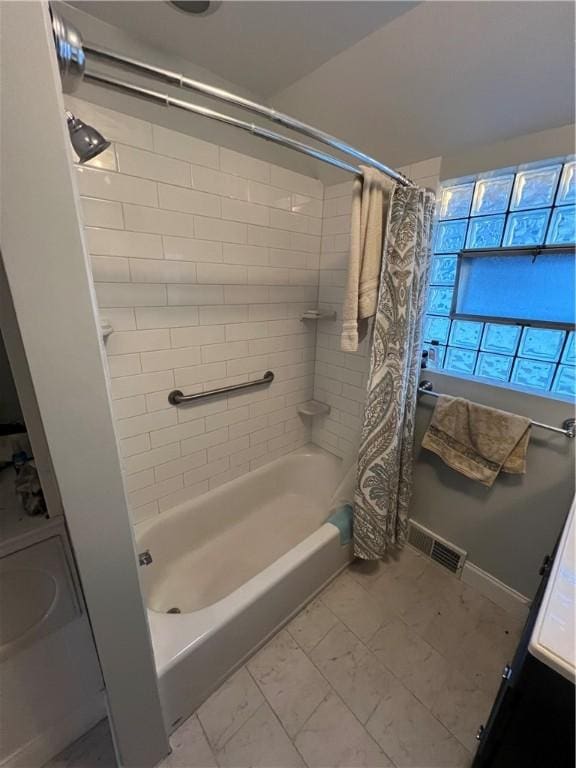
(232, 566)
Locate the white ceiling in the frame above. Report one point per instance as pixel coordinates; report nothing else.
(264, 46)
(445, 76)
(402, 81)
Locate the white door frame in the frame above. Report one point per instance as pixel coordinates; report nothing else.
(48, 276)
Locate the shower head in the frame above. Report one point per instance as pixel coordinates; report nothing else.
(86, 140)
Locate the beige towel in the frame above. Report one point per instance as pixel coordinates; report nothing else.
(370, 202)
(477, 441)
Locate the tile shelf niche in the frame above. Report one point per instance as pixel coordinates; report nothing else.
(318, 314)
(314, 408)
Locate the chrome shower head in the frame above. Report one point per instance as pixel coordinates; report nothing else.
(86, 140)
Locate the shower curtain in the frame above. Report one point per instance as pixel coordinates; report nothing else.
(385, 461)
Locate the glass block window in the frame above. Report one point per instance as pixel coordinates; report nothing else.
(443, 270)
(565, 380)
(541, 343)
(535, 188)
(496, 367)
(533, 374)
(520, 287)
(562, 226)
(526, 227)
(436, 329)
(466, 334)
(501, 338)
(531, 206)
(485, 232)
(569, 355)
(436, 355)
(450, 236)
(460, 360)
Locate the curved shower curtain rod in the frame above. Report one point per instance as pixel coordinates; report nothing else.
(179, 80)
(197, 109)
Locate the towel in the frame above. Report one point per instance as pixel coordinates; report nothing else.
(371, 196)
(478, 441)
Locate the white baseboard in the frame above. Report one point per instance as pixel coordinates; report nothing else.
(495, 590)
(58, 736)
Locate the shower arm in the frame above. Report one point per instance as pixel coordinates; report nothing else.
(181, 81)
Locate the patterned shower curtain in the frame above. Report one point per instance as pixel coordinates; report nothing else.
(385, 462)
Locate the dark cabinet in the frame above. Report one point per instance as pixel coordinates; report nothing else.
(532, 722)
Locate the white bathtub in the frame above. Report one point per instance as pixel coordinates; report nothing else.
(237, 562)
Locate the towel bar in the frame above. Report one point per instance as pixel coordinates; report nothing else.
(568, 425)
(176, 397)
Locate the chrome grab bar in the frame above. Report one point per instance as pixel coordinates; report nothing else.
(568, 425)
(176, 397)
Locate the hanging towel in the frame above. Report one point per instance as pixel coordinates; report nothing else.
(478, 441)
(370, 202)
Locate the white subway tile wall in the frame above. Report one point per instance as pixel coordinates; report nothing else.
(203, 261)
(340, 378)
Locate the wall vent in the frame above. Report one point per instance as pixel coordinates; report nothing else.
(441, 551)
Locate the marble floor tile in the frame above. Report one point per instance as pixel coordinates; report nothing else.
(393, 664)
(190, 748)
(400, 649)
(476, 635)
(456, 614)
(426, 597)
(498, 627)
(333, 738)
(461, 708)
(399, 591)
(260, 743)
(352, 670)
(354, 606)
(311, 625)
(427, 679)
(93, 750)
(411, 736)
(482, 659)
(289, 681)
(229, 708)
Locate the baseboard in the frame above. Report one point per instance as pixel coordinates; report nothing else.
(58, 736)
(495, 590)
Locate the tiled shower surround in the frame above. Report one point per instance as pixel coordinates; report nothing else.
(340, 377)
(203, 262)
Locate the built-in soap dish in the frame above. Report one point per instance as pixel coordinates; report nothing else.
(318, 314)
(314, 408)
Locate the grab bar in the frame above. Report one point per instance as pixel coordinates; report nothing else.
(176, 397)
(568, 425)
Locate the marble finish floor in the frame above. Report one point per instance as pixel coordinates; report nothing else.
(393, 664)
